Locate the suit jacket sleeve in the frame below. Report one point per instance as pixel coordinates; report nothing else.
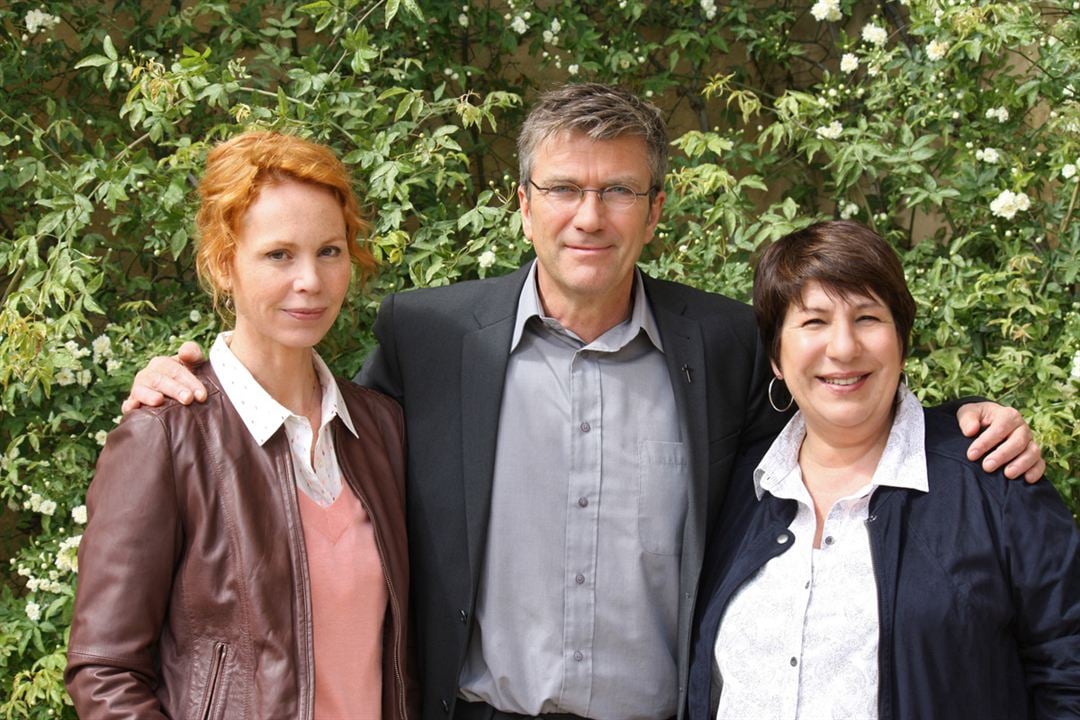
(127, 559)
(381, 370)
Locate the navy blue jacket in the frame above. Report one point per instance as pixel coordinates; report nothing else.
(978, 588)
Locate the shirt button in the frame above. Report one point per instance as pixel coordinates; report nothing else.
(583, 502)
(579, 579)
(782, 539)
(585, 427)
(794, 662)
(829, 540)
(578, 656)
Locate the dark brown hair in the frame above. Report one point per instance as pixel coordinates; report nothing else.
(846, 258)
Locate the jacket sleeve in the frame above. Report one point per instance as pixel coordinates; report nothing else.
(1042, 552)
(127, 558)
(381, 370)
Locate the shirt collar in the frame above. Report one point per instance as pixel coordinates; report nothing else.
(902, 463)
(641, 316)
(261, 413)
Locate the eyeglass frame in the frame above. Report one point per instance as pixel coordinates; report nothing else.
(651, 192)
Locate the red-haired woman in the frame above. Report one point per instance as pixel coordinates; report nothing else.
(246, 557)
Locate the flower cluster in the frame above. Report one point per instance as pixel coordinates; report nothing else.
(38, 20)
(1000, 114)
(67, 555)
(936, 50)
(39, 504)
(1075, 373)
(708, 7)
(486, 259)
(551, 35)
(519, 25)
(875, 34)
(988, 155)
(1008, 203)
(831, 131)
(826, 10)
(849, 63)
(1068, 170)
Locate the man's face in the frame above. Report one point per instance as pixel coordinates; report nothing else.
(586, 251)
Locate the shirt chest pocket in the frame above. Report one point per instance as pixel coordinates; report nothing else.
(663, 479)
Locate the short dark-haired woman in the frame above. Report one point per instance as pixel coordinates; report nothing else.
(862, 567)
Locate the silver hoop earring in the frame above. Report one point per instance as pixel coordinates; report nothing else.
(773, 402)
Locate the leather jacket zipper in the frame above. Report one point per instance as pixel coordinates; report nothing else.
(221, 650)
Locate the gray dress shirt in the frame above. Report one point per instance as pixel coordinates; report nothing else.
(578, 600)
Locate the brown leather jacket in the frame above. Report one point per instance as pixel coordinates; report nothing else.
(193, 598)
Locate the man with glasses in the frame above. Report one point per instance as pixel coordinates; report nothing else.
(571, 427)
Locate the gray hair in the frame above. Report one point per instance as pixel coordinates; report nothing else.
(601, 112)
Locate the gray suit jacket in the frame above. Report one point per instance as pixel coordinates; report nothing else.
(443, 353)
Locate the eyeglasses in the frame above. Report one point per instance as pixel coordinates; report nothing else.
(569, 195)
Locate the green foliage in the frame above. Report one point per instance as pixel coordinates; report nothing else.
(955, 132)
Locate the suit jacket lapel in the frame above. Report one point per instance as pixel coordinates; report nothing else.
(485, 353)
(684, 353)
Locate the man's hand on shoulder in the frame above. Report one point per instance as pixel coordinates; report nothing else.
(167, 377)
(1004, 431)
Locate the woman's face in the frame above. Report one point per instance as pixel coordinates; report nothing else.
(841, 360)
(291, 269)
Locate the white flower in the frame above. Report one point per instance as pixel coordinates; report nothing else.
(67, 556)
(83, 377)
(48, 507)
(1075, 374)
(1068, 171)
(1008, 203)
(111, 365)
(936, 50)
(874, 34)
(486, 259)
(987, 155)
(826, 10)
(33, 611)
(556, 26)
(463, 20)
(849, 63)
(708, 7)
(849, 210)
(519, 25)
(33, 584)
(548, 37)
(999, 113)
(102, 347)
(830, 131)
(76, 351)
(78, 514)
(40, 20)
(100, 436)
(65, 377)
(194, 316)
(572, 69)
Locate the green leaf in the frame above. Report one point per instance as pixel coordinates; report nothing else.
(110, 49)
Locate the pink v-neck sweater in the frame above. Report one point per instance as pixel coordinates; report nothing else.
(348, 604)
